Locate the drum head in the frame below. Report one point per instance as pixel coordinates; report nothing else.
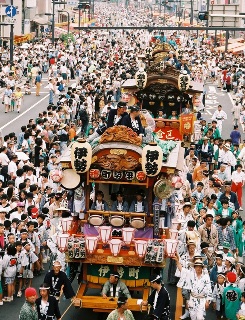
(117, 221)
(70, 180)
(96, 220)
(137, 223)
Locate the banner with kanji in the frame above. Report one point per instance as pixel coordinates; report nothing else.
(186, 123)
(131, 276)
(21, 39)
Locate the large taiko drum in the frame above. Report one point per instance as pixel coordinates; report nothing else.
(96, 220)
(116, 221)
(70, 180)
(137, 223)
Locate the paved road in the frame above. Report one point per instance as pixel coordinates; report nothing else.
(32, 105)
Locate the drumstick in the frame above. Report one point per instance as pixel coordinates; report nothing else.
(66, 310)
(70, 303)
(61, 292)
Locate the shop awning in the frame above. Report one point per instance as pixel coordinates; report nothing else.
(230, 47)
(239, 49)
(41, 20)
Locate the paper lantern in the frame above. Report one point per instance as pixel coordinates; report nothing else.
(141, 78)
(184, 81)
(62, 240)
(105, 233)
(91, 244)
(128, 235)
(140, 247)
(170, 247)
(56, 175)
(140, 176)
(66, 224)
(81, 156)
(94, 173)
(176, 180)
(115, 246)
(125, 97)
(175, 223)
(152, 157)
(174, 234)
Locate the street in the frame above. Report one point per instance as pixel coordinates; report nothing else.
(32, 105)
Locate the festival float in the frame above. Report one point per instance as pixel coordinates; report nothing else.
(131, 243)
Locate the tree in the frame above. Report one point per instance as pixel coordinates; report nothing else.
(65, 37)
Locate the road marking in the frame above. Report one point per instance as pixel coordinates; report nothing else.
(230, 96)
(34, 92)
(208, 112)
(212, 89)
(24, 112)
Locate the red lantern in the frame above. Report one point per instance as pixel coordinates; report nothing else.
(56, 175)
(177, 182)
(140, 176)
(94, 173)
(125, 97)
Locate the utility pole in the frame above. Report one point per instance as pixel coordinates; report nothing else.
(53, 23)
(54, 2)
(191, 17)
(11, 41)
(79, 16)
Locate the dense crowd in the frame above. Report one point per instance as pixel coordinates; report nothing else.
(208, 202)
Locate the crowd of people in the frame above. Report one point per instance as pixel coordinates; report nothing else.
(207, 204)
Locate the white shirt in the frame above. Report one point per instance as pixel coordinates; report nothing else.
(219, 115)
(4, 159)
(237, 176)
(12, 168)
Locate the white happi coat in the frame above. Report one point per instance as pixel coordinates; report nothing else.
(181, 216)
(200, 292)
(219, 116)
(228, 157)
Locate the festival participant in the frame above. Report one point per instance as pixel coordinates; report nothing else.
(140, 204)
(217, 295)
(100, 204)
(208, 232)
(120, 204)
(219, 115)
(18, 98)
(114, 287)
(29, 309)
(199, 285)
(121, 312)
(47, 305)
(159, 299)
(58, 282)
(238, 179)
(133, 121)
(231, 296)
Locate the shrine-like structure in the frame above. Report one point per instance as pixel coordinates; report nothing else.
(131, 243)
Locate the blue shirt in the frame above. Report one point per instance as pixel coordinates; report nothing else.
(235, 137)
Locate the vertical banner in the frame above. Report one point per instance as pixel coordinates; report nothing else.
(186, 123)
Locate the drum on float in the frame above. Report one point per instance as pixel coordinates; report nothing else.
(70, 180)
(116, 221)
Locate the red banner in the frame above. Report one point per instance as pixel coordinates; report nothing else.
(186, 123)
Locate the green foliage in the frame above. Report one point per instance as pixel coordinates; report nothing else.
(64, 37)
